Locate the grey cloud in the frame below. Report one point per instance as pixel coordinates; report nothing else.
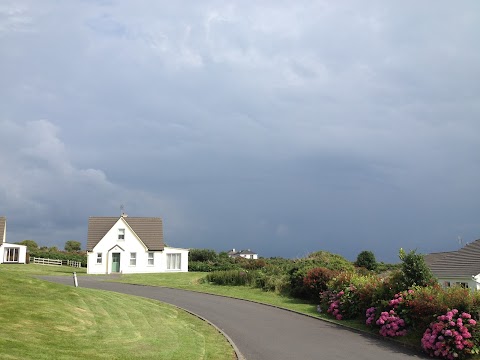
(285, 127)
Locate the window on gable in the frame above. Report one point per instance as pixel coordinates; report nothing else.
(99, 258)
(151, 259)
(133, 259)
(121, 234)
(174, 261)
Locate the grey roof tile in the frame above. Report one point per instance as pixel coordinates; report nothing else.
(461, 263)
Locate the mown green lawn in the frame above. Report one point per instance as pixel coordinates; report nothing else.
(42, 320)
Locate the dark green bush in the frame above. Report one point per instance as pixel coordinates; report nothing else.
(316, 281)
(231, 277)
(202, 255)
(414, 269)
(366, 259)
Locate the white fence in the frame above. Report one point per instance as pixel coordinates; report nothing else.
(43, 261)
(74, 263)
(56, 262)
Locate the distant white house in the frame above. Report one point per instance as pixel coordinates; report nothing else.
(10, 253)
(247, 254)
(457, 268)
(131, 245)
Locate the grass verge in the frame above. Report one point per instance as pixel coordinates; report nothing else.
(43, 320)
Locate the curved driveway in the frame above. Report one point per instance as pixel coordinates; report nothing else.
(263, 332)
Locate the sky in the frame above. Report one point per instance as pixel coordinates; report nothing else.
(283, 127)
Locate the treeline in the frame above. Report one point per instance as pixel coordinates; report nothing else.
(72, 251)
(284, 276)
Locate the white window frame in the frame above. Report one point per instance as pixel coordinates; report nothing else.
(12, 254)
(121, 234)
(99, 258)
(151, 259)
(174, 261)
(133, 259)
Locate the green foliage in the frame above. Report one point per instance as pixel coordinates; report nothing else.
(72, 245)
(367, 290)
(367, 260)
(30, 244)
(231, 277)
(414, 269)
(202, 255)
(385, 267)
(316, 281)
(60, 255)
(423, 305)
(330, 261)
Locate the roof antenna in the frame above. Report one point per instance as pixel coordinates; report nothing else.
(122, 213)
(460, 240)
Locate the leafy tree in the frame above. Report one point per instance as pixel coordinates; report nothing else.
(202, 255)
(72, 245)
(414, 269)
(367, 260)
(31, 245)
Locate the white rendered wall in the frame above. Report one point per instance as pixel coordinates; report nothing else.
(22, 252)
(472, 283)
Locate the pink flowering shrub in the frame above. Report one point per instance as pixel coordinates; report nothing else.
(401, 304)
(334, 307)
(370, 315)
(391, 324)
(343, 304)
(452, 336)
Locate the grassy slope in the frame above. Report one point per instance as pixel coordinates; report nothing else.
(43, 320)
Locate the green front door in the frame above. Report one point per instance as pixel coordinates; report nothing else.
(116, 262)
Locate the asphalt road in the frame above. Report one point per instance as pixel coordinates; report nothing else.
(262, 332)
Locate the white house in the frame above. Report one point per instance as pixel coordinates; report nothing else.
(457, 268)
(10, 253)
(247, 254)
(131, 245)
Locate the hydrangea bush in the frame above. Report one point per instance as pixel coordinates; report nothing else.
(391, 324)
(452, 336)
(371, 315)
(342, 304)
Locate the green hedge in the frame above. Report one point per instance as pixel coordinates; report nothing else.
(60, 255)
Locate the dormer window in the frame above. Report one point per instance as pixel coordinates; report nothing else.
(121, 234)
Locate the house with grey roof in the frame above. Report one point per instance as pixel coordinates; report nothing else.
(247, 254)
(10, 253)
(461, 267)
(130, 245)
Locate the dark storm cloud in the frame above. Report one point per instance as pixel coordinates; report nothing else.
(285, 128)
